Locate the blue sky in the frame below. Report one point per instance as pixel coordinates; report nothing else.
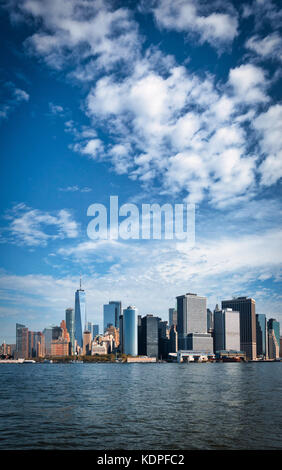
(153, 101)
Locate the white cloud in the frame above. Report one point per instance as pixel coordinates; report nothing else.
(31, 227)
(73, 31)
(217, 268)
(269, 128)
(249, 83)
(11, 99)
(76, 188)
(56, 109)
(211, 25)
(269, 47)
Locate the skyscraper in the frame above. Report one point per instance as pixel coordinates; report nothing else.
(22, 343)
(262, 336)
(192, 323)
(80, 309)
(149, 336)
(109, 312)
(130, 335)
(172, 315)
(226, 330)
(118, 311)
(95, 331)
(70, 327)
(247, 308)
(273, 338)
(112, 312)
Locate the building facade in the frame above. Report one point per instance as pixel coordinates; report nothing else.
(22, 341)
(130, 331)
(109, 315)
(149, 337)
(262, 336)
(191, 321)
(79, 313)
(226, 330)
(70, 323)
(172, 316)
(247, 308)
(273, 338)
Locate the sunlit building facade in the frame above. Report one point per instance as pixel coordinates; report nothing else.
(130, 331)
(79, 313)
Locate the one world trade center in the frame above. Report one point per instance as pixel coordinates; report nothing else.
(80, 309)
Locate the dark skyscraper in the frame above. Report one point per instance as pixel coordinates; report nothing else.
(70, 328)
(262, 337)
(247, 308)
(172, 315)
(149, 336)
(118, 311)
(22, 341)
(80, 308)
(273, 338)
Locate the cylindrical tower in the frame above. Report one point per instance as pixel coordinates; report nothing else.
(130, 331)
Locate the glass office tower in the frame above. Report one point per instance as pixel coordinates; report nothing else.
(112, 312)
(273, 338)
(109, 315)
(80, 307)
(118, 311)
(262, 338)
(130, 331)
(70, 327)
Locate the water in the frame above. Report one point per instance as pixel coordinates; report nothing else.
(141, 406)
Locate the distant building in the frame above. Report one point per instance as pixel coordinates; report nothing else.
(226, 330)
(121, 349)
(60, 340)
(173, 339)
(149, 336)
(210, 321)
(130, 334)
(47, 332)
(262, 336)
(22, 343)
(164, 341)
(109, 314)
(247, 308)
(98, 349)
(118, 311)
(273, 338)
(192, 323)
(80, 308)
(88, 326)
(95, 330)
(87, 338)
(70, 323)
(172, 316)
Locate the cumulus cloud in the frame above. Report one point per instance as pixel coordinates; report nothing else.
(31, 227)
(269, 128)
(181, 128)
(215, 27)
(268, 47)
(77, 31)
(182, 131)
(249, 83)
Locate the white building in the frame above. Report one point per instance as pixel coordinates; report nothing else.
(227, 330)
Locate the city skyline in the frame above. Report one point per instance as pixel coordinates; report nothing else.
(169, 101)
